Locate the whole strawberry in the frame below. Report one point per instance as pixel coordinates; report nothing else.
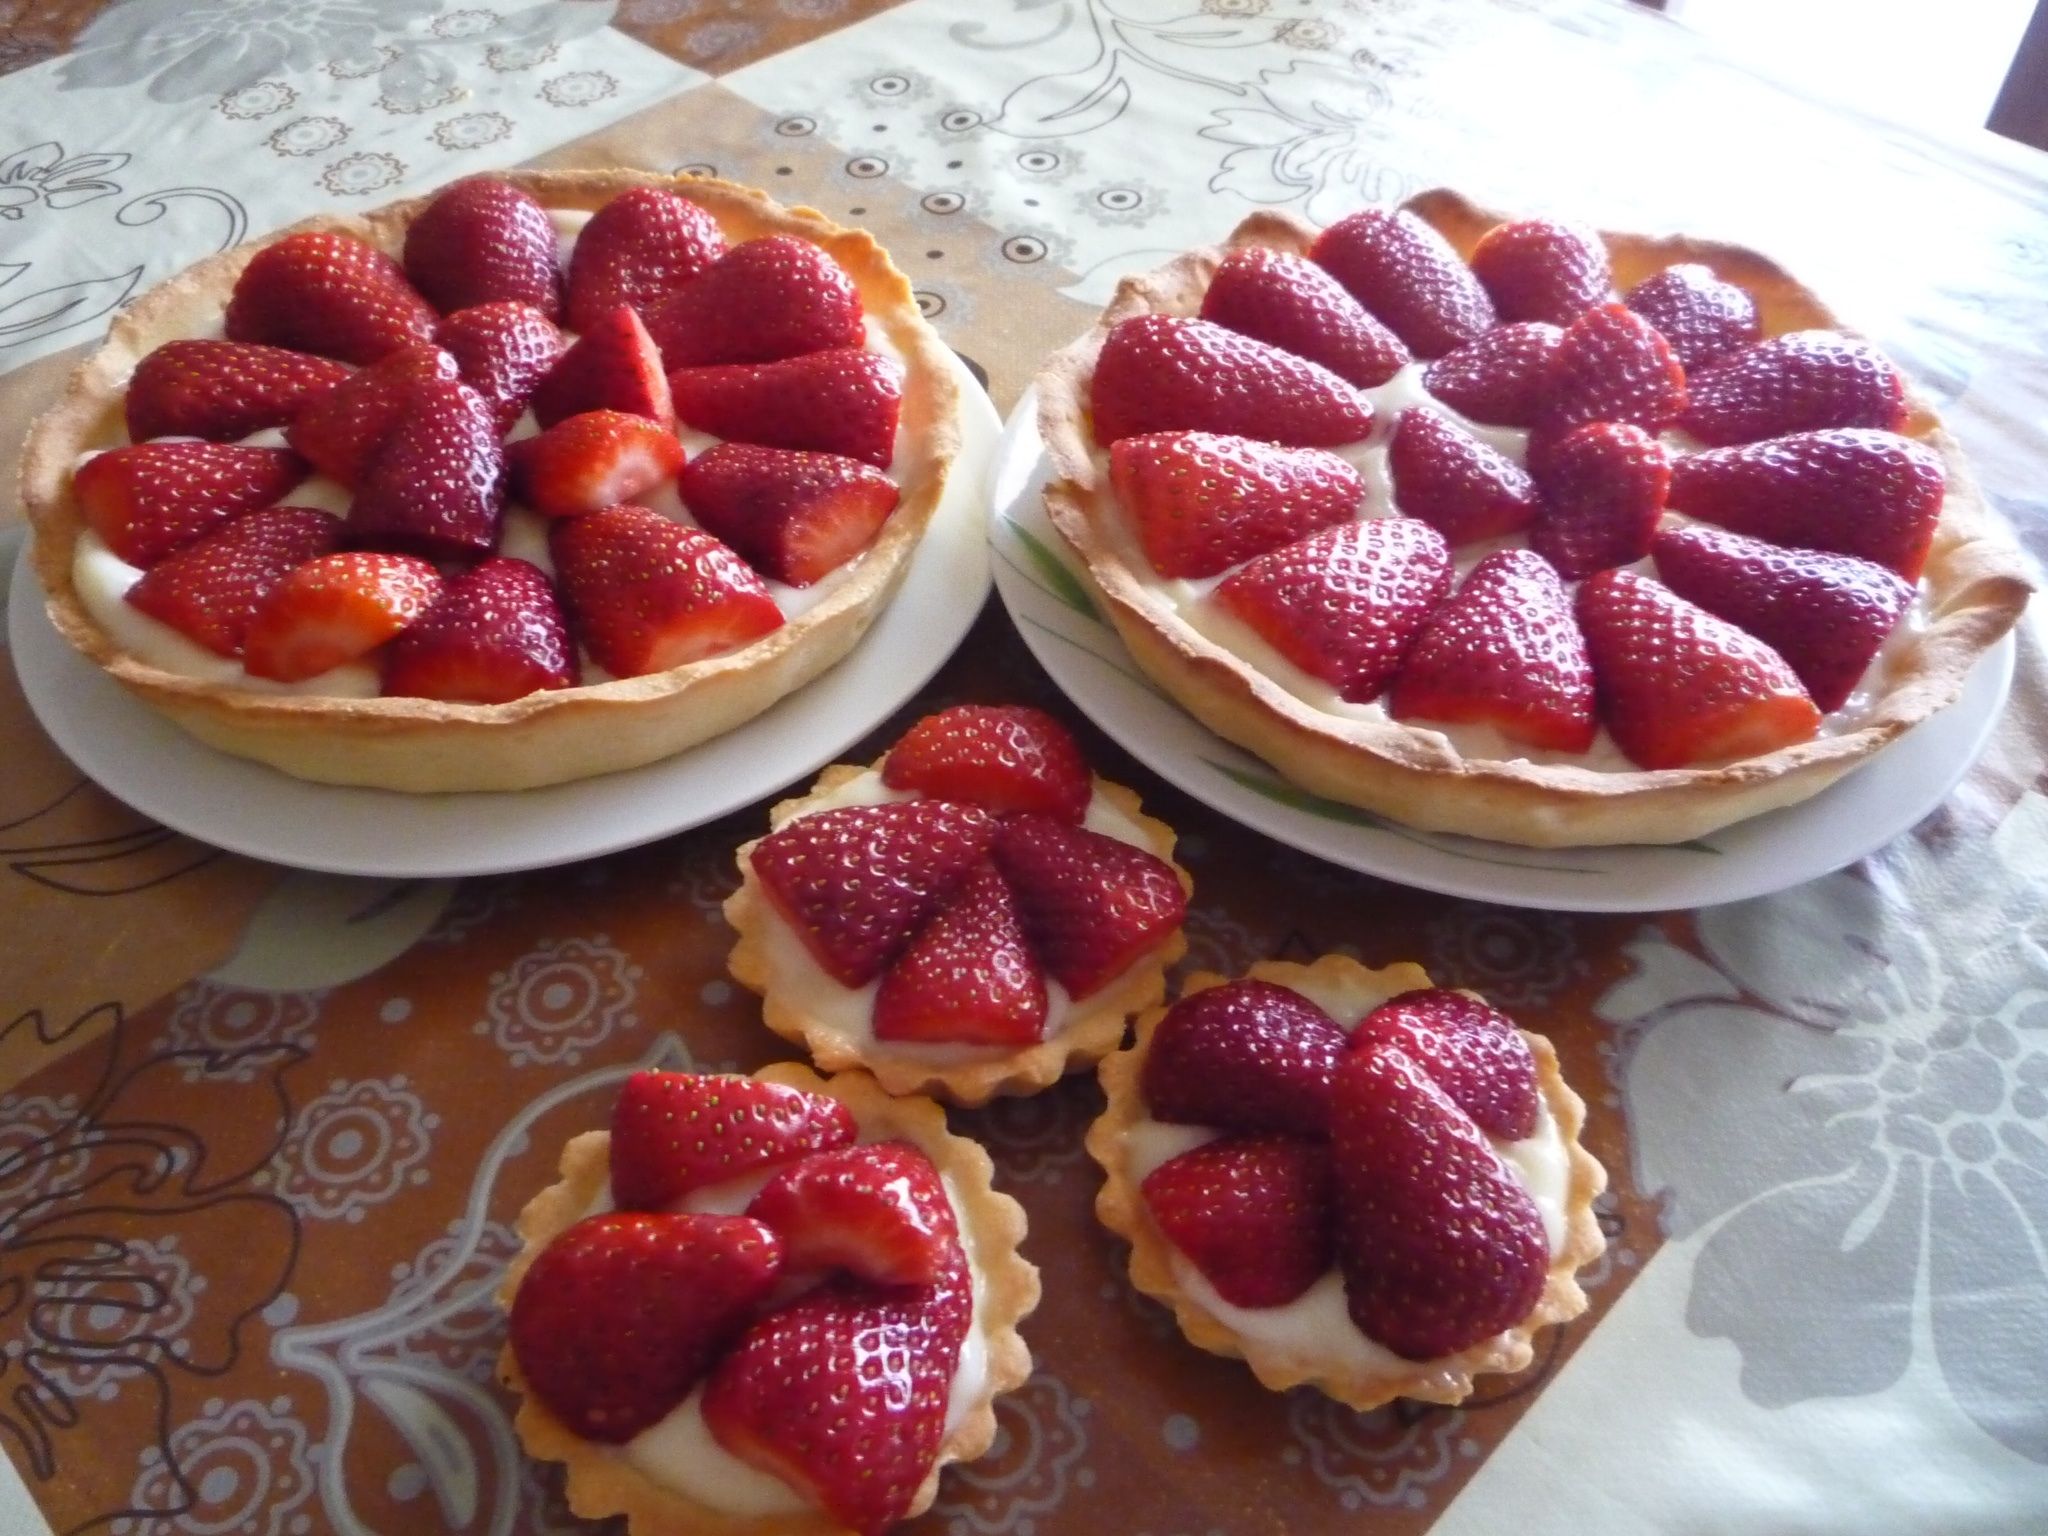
(223, 389)
(1252, 1213)
(484, 241)
(1469, 1048)
(1539, 269)
(1499, 376)
(1803, 381)
(1003, 757)
(1701, 316)
(675, 1132)
(1408, 276)
(1245, 1056)
(1611, 365)
(636, 250)
(1203, 502)
(1454, 482)
(766, 299)
(1296, 305)
(1161, 373)
(328, 293)
(1604, 486)
(1091, 905)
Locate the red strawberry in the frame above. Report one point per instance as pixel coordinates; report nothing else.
(1296, 305)
(493, 635)
(621, 1316)
(1245, 1056)
(328, 293)
(614, 366)
(504, 351)
(588, 462)
(1827, 615)
(1203, 502)
(637, 249)
(1440, 1244)
(1803, 381)
(1604, 487)
(1538, 269)
(339, 431)
(1498, 376)
(1611, 366)
(1469, 1048)
(967, 978)
(1406, 273)
(483, 241)
(1252, 1213)
(1091, 904)
(435, 485)
(211, 590)
(1504, 652)
(675, 1132)
(223, 389)
(1702, 317)
(876, 1210)
(1678, 686)
(1005, 757)
(649, 594)
(148, 499)
(1454, 482)
(858, 882)
(336, 609)
(841, 401)
(794, 516)
(1345, 605)
(1161, 373)
(770, 298)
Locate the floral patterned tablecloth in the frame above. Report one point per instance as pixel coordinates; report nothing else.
(262, 1133)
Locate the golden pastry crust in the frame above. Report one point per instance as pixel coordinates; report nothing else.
(1121, 1207)
(966, 1075)
(423, 745)
(1975, 581)
(602, 1483)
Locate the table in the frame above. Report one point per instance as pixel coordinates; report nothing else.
(262, 1133)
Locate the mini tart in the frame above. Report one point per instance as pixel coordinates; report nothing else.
(422, 745)
(771, 960)
(1279, 1366)
(1973, 590)
(602, 1483)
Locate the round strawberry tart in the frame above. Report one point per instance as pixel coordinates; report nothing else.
(1349, 1178)
(775, 1305)
(974, 915)
(548, 475)
(1516, 529)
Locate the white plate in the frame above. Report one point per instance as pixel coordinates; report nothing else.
(137, 755)
(1035, 572)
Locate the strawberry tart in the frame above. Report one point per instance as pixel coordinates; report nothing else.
(1520, 530)
(974, 915)
(548, 475)
(776, 1305)
(1349, 1178)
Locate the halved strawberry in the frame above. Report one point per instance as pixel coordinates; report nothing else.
(1454, 482)
(336, 609)
(1611, 366)
(968, 977)
(435, 485)
(1802, 381)
(223, 389)
(329, 293)
(1162, 373)
(675, 1132)
(794, 516)
(148, 499)
(1678, 686)
(1469, 1048)
(1539, 269)
(843, 400)
(637, 249)
(1701, 316)
(877, 1211)
(1406, 273)
(483, 241)
(1296, 305)
(1203, 502)
(1004, 757)
(614, 366)
(504, 351)
(493, 635)
(210, 591)
(1604, 486)
(765, 299)
(1252, 1213)
(1092, 905)
(341, 429)
(588, 462)
(1498, 377)
(1245, 1056)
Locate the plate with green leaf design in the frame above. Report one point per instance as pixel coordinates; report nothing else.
(1039, 579)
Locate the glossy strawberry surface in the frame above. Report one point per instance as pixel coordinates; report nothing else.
(1803, 381)
(675, 1132)
(1003, 757)
(211, 590)
(1247, 1056)
(1460, 486)
(1203, 502)
(1161, 373)
(484, 241)
(1540, 269)
(1252, 1213)
(1299, 307)
(1408, 276)
(223, 390)
(1091, 905)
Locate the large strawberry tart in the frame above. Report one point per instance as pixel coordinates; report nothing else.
(1517, 529)
(548, 475)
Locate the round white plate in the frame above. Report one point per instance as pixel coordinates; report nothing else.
(137, 755)
(1036, 575)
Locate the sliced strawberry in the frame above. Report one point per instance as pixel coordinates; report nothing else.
(1469, 1048)
(675, 1132)
(588, 462)
(336, 609)
(1407, 274)
(493, 635)
(1203, 502)
(1004, 757)
(858, 882)
(1504, 652)
(1296, 305)
(1611, 366)
(328, 293)
(1092, 905)
(1245, 1056)
(1252, 1213)
(1161, 373)
(637, 249)
(339, 431)
(842, 401)
(484, 241)
(794, 516)
(1539, 269)
(1346, 604)
(968, 977)
(1454, 482)
(1803, 381)
(223, 389)
(766, 299)
(1702, 317)
(504, 351)
(435, 485)
(877, 1211)
(614, 366)
(210, 591)
(1604, 486)
(1498, 377)
(150, 498)
(622, 1315)
(1678, 686)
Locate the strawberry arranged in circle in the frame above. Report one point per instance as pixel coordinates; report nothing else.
(1469, 1048)
(1802, 381)
(675, 1132)
(591, 461)
(1296, 305)
(614, 366)
(223, 390)
(762, 300)
(1539, 269)
(484, 241)
(336, 609)
(148, 499)
(339, 431)
(1161, 373)
(1204, 502)
(211, 590)
(1701, 316)
(1408, 276)
(435, 485)
(329, 294)
(876, 1210)
(1604, 486)
(1454, 482)
(1003, 757)
(636, 250)
(1091, 904)
(795, 516)
(1252, 1213)
(967, 978)
(503, 351)
(842, 400)
(1244, 1056)
(1498, 377)
(493, 635)
(1611, 365)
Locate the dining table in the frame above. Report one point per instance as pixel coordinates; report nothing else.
(272, 1094)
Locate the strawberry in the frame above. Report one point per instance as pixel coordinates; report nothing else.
(150, 498)
(1161, 373)
(967, 978)
(1498, 376)
(1454, 482)
(1678, 686)
(842, 401)
(766, 299)
(614, 366)
(503, 351)
(649, 594)
(592, 461)
(435, 484)
(223, 389)
(858, 882)
(336, 609)
(1611, 366)
(1539, 269)
(675, 1132)
(1406, 273)
(620, 1316)
(1827, 615)
(483, 241)
(339, 431)
(1252, 1213)
(1091, 904)
(1504, 652)
(1345, 605)
(211, 590)
(1004, 757)
(493, 635)
(1469, 1048)
(1604, 485)
(877, 1211)
(1295, 305)
(1245, 1056)
(329, 293)
(1203, 502)
(794, 516)
(1440, 1244)
(637, 249)
(1702, 317)
(1803, 381)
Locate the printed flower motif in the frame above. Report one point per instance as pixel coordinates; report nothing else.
(561, 1000)
(1034, 1140)
(42, 174)
(897, 85)
(1048, 162)
(431, 97)
(1385, 1459)
(465, 23)
(1517, 959)
(222, 1021)
(28, 1128)
(472, 130)
(1038, 247)
(244, 1467)
(355, 1146)
(579, 88)
(707, 44)
(657, 13)
(195, 48)
(1235, 7)
(359, 175)
(1305, 142)
(511, 58)
(1306, 34)
(304, 136)
(1041, 1442)
(1128, 201)
(262, 99)
(140, 1304)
